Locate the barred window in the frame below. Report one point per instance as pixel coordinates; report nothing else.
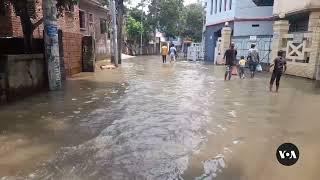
(103, 26)
(82, 19)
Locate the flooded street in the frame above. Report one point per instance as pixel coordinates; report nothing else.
(154, 121)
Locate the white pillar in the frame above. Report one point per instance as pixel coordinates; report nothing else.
(280, 28)
(314, 27)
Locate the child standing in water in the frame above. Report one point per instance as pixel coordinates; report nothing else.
(242, 65)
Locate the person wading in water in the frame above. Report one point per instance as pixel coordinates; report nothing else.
(253, 58)
(164, 52)
(173, 53)
(230, 57)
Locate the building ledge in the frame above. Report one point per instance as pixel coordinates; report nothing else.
(297, 11)
(241, 19)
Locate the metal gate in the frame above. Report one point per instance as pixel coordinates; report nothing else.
(263, 44)
(88, 54)
(195, 52)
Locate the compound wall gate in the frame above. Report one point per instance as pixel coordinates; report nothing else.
(263, 44)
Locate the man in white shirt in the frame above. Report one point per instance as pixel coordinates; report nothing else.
(173, 52)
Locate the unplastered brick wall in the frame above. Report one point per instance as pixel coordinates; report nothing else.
(68, 23)
(72, 52)
(5, 25)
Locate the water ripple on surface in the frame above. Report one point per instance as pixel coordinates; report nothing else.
(157, 132)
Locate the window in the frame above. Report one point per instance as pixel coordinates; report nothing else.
(103, 26)
(225, 5)
(263, 2)
(220, 7)
(299, 22)
(91, 27)
(90, 18)
(211, 10)
(230, 4)
(216, 7)
(255, 25)
(109, 31)
(82, 19)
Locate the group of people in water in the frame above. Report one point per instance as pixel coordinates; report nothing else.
(172, 51)
(253, 62)
(230, 57)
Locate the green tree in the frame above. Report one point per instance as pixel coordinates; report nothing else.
(192, 22)
(134, 29)
(26, 11)
(137, 23)
(170, 12)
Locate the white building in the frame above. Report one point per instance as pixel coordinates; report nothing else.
(246, 18)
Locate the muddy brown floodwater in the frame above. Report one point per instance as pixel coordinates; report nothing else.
(154, 121)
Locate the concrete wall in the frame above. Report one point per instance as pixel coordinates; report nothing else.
(248, 9)
(291, 6)
(245, 28)
(247, 13)
(21, 75)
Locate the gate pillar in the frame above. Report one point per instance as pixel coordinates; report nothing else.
(225, 40)
(280, 28)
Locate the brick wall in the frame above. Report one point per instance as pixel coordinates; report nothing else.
(72, 39)
(68, 23)
(72, 52)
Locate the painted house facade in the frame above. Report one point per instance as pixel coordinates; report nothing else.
(245, 17)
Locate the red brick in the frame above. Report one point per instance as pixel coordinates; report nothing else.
(71, 34)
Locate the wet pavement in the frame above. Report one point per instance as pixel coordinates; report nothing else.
(148, 120)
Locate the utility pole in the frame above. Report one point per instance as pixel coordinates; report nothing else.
(51, 44)
(155, 28)
(114, 32)
(203, 21)
(141, 27)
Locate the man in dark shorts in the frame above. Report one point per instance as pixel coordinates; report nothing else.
(230, 56)
(280, 66)
(254, 59)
